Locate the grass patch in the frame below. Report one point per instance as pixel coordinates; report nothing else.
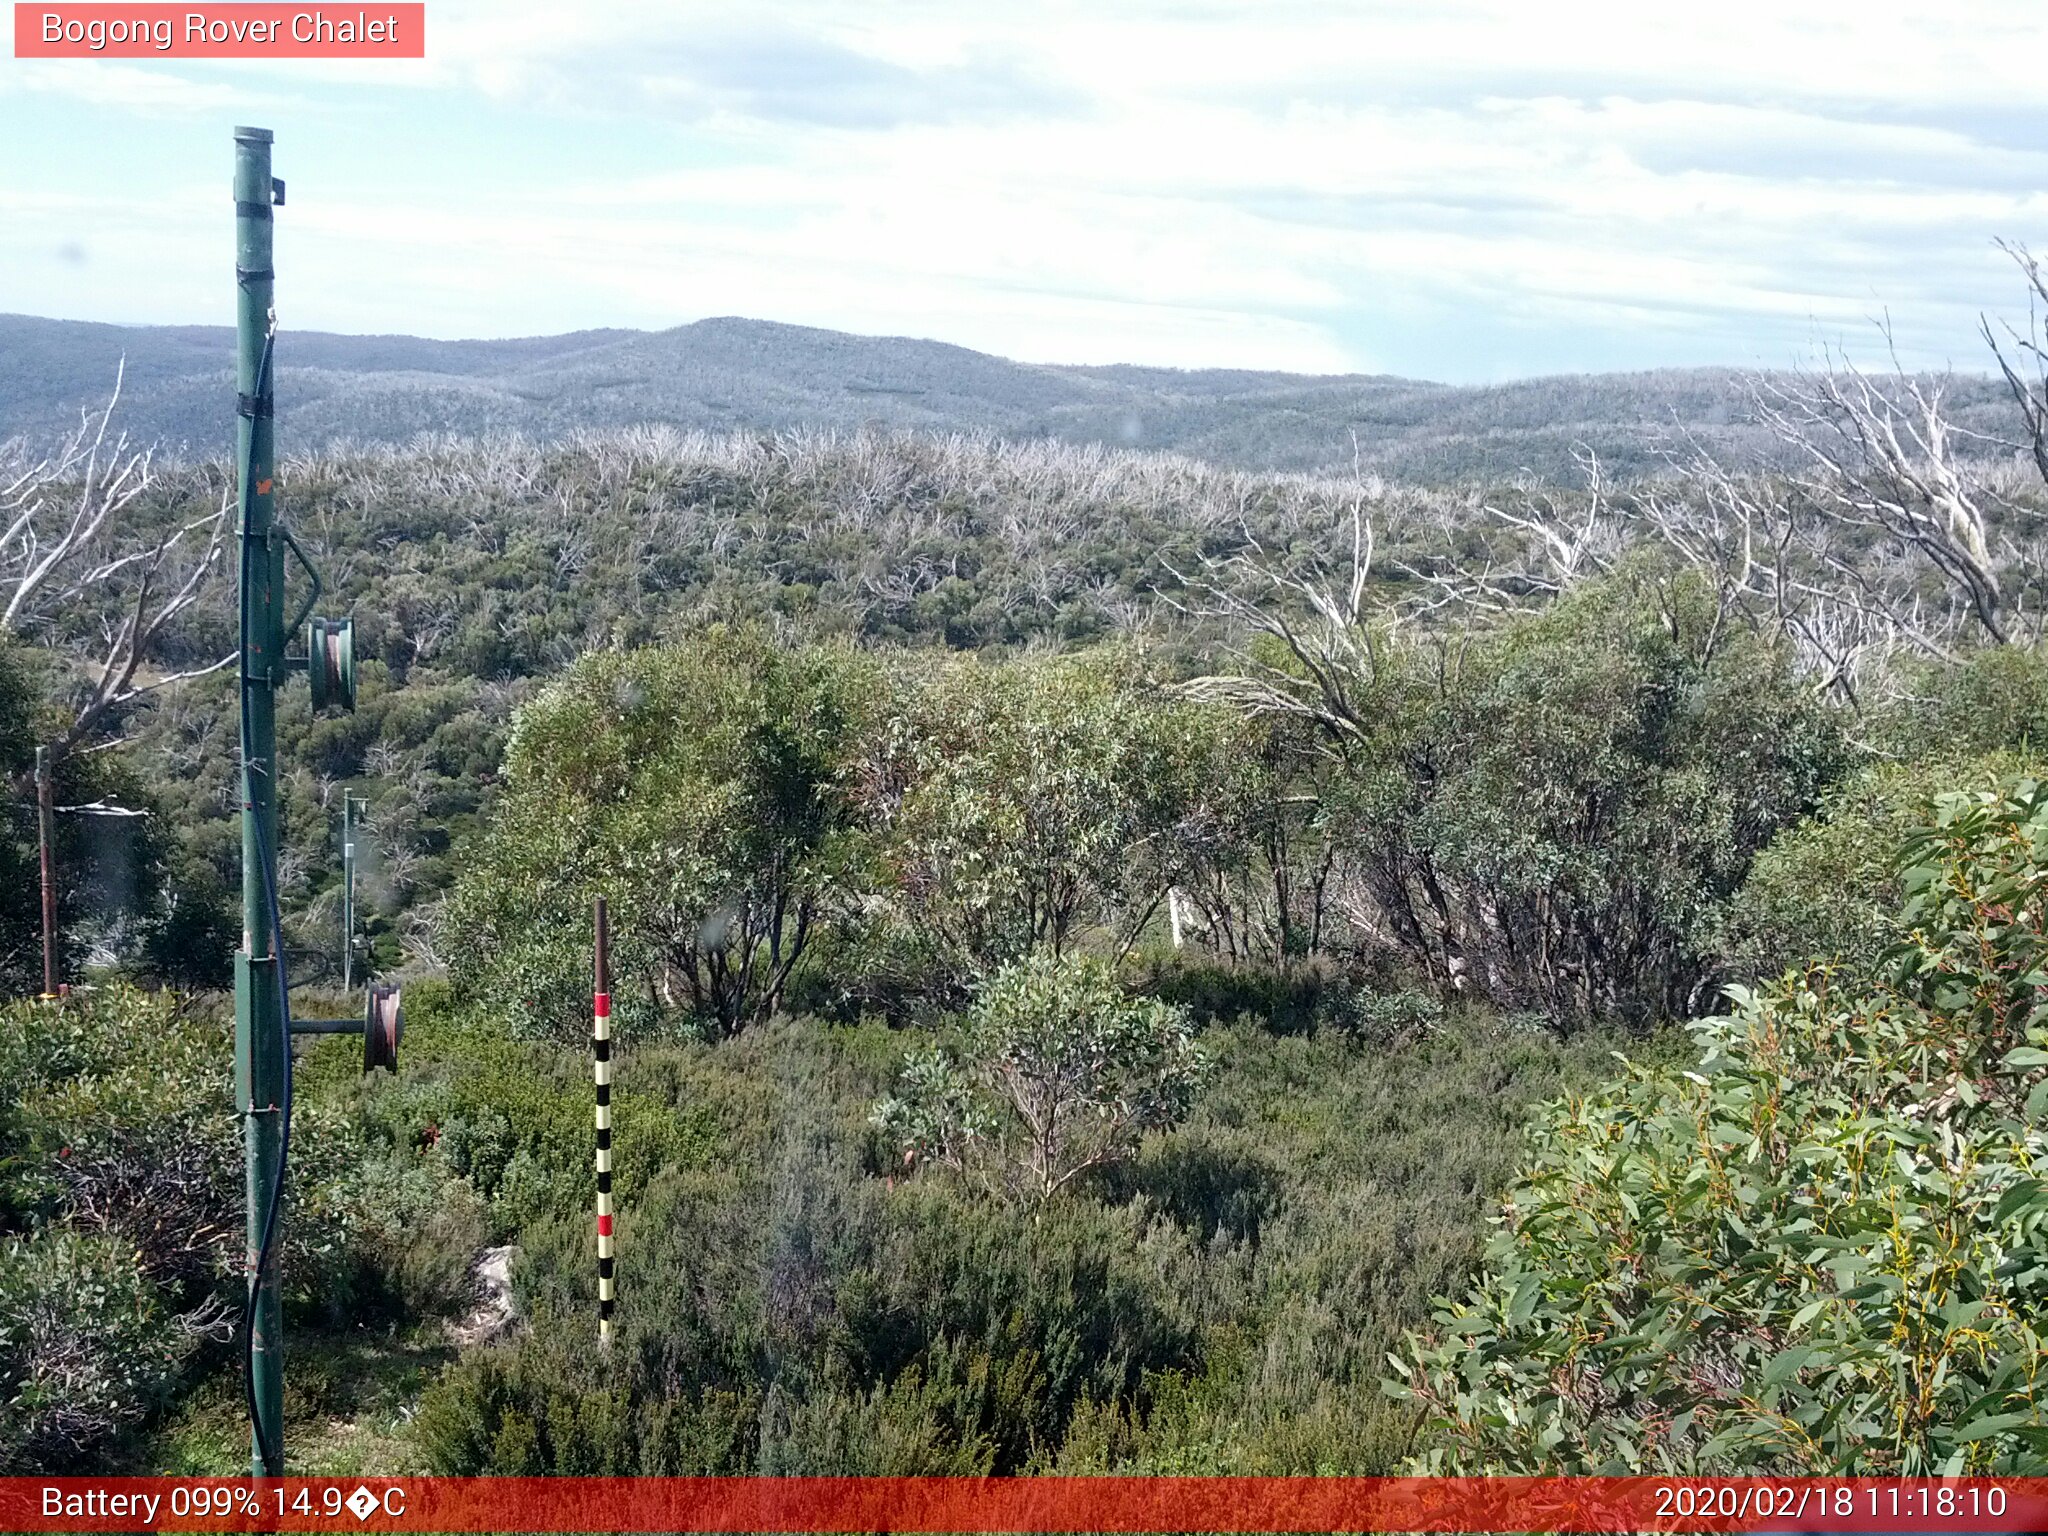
(350, 1395)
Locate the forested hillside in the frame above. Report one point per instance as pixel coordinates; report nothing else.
(725, 374)
(1118, 960)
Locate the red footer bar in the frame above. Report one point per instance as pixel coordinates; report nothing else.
(1051, 1504)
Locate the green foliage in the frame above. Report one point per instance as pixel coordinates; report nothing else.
(1822, 1250)
(1979, 720)
(1022, 802)
(1058, 1072)
(1253, 846)
(1829, 889)
(475, 572)
(739, 799)
(700, 787)
(1994, 700)
(1554, 814)
(86, 1347)
(1391, 1019)
(122, 1123)
(1285, 1001)
(121, 1177)
(1222, 1301)
(1976, 885)
(501, 1128)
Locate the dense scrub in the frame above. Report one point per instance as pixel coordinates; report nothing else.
(121, 1231)
(1556, 817)
(1555, 812)
(478, 571)
(474, 570)
(1822, 1249)
(906, 767)
(793, 1299)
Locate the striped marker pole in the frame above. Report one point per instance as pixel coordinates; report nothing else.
(601, 1066)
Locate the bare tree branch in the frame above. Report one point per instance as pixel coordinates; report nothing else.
(68, 543)
(1329, 647)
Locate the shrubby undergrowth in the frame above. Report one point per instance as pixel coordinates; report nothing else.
(791, 1299)
(121, 1216)
(1057, 1072)
(1823, 1248)
(1291, 978)
(1554, 816)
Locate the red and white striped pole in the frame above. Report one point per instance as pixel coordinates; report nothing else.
(601, 1066)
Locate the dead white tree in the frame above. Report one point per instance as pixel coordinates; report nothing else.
(2025, 365)
(1885, 462)
(69, 548)
(1317, 613)
(66, 547)
(1575, 541)
(1772, 567)
(1892, 530)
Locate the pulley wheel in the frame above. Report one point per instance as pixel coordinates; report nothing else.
(331, 663)
(383, 1024)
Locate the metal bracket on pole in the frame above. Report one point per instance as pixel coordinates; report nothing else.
(381, 1026)
(313, 575)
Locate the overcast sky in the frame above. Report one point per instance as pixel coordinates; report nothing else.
(1459, 191)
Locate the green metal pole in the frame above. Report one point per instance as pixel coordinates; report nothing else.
(262, 1056)
(349, 818)
(46, 839)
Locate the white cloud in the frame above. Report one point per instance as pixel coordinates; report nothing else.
(1290, 185)
(138, 87)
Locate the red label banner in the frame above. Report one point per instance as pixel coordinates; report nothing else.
(1021, 1504)
(216, 31)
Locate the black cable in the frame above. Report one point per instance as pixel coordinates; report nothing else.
(272, 1452)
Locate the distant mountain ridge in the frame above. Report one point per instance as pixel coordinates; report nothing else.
(729, 373)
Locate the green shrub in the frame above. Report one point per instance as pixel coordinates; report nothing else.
(1994, 700)
(1059, 1072)
(490, 1135)
(803, 1305)
(123, 1123)
(1552, 812)
(121, 1157)
(543, 1406)
(1554, 819)
(1285, 1000)
(416, 1235)
(1391, 1018)
(839, 1328)
(1030, 803)
(1829, 889)
(1225, 1299)
(702, 788)
(86, 1346)
(1822, 1250)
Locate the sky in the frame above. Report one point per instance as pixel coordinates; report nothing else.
(1450, 189)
